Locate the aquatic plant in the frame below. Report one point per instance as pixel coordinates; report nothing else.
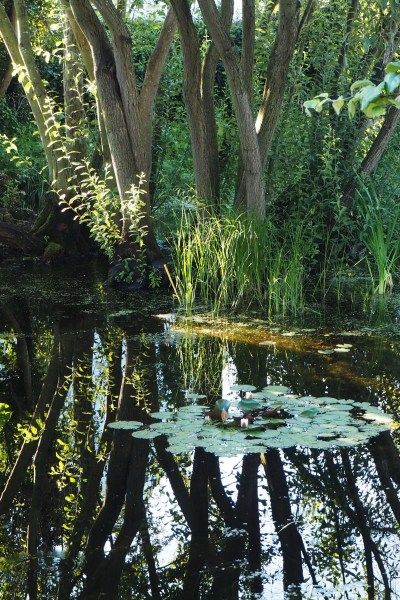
(271, 418)
(232, 261)
(381, 236)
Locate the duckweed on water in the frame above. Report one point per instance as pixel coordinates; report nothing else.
(320, 423)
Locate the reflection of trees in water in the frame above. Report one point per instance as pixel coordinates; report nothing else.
(117, 504)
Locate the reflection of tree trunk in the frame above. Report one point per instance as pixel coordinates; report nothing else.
(286, 529)
(23, 358)
(382, 462)
(222, 500)
(57, 373)
(138, 390)
(90, 489)
(245, 516)
(199, 524)
(40, 481)
(105, 574)
(361, 520)
(83, 401)
(147, 549)
(170, 466)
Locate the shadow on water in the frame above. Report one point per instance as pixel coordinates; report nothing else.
(90, 512)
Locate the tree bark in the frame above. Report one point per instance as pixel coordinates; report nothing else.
(275, 84)
(374, 154)
(199, 106)
(252, 163)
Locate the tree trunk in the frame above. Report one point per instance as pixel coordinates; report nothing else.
(252, 163)
(275, 84)
(374, 154)
(199, 106)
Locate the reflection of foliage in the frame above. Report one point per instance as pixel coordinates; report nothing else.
(202, 361)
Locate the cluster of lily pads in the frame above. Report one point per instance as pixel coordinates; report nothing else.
(307, 421)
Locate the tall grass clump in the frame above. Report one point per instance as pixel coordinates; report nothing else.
(236, 261)
(381, 235)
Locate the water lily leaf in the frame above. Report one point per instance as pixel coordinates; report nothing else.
(276, 389)
(166, 414)
(192, 408)
(344, 345)
(341, 349)
(382, 419)
(321, 445)
(146, 434)
(125, 425)
(170, 427)
(259, 396)
(309, 412)
(222, 404)
(247, 404)
(178, 449)
(239, 387)
(255, 449)
(348, 441)
(326, 351)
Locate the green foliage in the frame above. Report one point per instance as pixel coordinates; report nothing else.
(372, 100)
(381, 235)
(22, 163)
(96, 206)
(236, 261)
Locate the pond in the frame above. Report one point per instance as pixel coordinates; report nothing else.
(148, 456)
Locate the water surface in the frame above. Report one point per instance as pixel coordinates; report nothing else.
(89, 512)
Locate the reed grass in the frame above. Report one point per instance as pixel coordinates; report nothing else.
(234, 261)
(381, 236)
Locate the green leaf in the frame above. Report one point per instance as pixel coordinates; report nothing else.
(320, 105)
(377, 108)
(338, 105)
(393, 67)
(395, 101)
(369, 94)
(360, 83)
(130, 425)
(310, 104)
(352, 107)
(392, 82)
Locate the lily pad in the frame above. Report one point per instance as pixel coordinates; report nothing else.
(146, 434)
(129, 425)
(166, 414)
(239, 387)
(341, 349)
(326, 351)
(276, 389)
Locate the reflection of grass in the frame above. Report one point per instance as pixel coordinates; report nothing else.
(202, 361)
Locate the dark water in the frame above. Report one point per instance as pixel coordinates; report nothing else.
(88, 512)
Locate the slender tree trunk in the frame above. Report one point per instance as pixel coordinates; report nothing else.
(200, 113)
(275, 84)
(374, 154)
(252, 163)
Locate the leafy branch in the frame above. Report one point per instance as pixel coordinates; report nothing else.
(371, 99)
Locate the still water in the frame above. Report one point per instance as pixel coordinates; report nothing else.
(301, 501)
